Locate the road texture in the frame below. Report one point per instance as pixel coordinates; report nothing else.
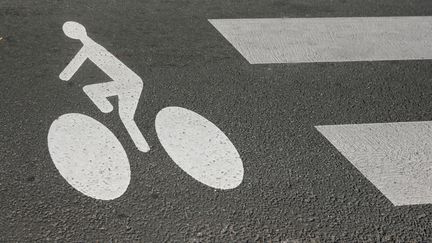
(296, 186)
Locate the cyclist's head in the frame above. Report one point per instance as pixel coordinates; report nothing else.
(74, 30)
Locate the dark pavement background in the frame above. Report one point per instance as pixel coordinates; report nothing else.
(297, 186)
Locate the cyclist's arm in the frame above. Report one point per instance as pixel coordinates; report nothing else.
(74, 65)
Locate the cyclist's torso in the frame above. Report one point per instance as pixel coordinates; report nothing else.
(108, 63)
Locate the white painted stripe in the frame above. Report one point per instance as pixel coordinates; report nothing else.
(395, 157)
(299, 40)
(89, 156)
(199, 148)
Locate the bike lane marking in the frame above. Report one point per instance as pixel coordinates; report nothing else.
(303, 40)
(92, 160)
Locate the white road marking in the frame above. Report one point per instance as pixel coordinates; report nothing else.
(300, 40)
(93, 161)
(199, 148)
(89, 156)
(125, 84)
(395, 157)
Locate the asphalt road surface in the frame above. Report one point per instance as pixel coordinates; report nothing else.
(296, 187)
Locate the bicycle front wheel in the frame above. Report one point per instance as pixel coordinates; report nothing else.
(89, 156)
(199, 147)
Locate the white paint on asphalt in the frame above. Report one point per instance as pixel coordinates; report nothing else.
(199, 148)
(125, 84)
(395, 157)
(300, 40)
(89, 156)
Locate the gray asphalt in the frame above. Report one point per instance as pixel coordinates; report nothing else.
(297, 186)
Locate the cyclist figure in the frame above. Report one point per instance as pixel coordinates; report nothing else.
(125, 84)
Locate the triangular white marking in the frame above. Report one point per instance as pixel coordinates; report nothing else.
(340, 39)
(395, 157)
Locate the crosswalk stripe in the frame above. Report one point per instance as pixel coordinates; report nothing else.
(303, 40)
(395, 157)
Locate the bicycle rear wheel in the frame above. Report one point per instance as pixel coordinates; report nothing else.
(89, 156)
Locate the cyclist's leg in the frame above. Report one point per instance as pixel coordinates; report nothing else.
(99, 92)
(128, 102)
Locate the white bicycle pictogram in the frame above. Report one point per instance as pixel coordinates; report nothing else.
(91, 158)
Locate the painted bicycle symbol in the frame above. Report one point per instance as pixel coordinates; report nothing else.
(91, 158)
